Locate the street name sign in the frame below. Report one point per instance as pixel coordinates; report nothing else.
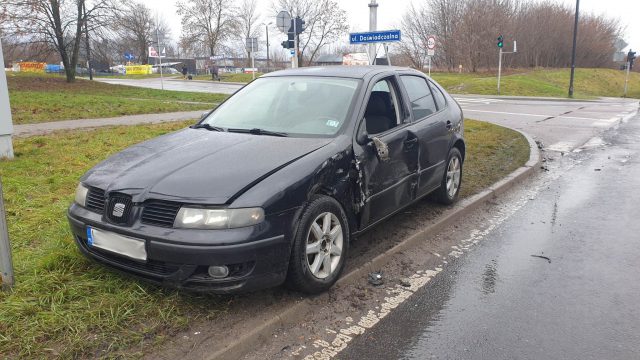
(384, 36)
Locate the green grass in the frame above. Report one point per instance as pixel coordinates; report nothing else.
(588, 83)
(492, 152)
(42, 98)
(66, 306)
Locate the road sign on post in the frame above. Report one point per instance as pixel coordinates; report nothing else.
(373, 37)
(431, 49)
(385, 36)
(252, 47)
(283, 21)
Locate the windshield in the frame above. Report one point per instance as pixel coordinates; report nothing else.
(293, 105)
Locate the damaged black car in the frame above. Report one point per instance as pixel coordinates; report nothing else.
(275, 183)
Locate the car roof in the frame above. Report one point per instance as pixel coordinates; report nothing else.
(346, 71)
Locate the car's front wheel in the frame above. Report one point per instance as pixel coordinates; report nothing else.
(320, 246)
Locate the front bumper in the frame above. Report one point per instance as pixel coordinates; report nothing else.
(179, 258)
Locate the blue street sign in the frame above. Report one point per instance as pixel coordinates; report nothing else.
(384, 36)
(129, 56)
(293, 52)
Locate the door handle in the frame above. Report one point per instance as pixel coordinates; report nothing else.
(449, 125)
(411, 142)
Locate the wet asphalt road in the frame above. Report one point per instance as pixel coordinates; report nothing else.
(499, 302)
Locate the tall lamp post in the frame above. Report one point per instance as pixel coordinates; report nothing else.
(573, 52)
(266, 30)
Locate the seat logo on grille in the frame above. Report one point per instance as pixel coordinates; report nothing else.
(118, 209)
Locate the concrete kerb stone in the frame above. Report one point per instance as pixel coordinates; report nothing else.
(296, 313)
(525, 98)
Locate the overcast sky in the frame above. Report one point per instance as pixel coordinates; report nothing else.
(390, 13)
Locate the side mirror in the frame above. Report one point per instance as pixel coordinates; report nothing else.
(204, 115)
(362, 138)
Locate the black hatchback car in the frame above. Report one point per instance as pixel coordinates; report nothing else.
(274, 183)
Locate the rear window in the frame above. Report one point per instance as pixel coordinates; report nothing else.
(422, 103)
(439, 96)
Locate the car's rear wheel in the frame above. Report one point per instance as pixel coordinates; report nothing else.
(450, 187)
(320, 246)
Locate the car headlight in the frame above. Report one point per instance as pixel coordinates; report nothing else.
(81, 195)
(194, 218)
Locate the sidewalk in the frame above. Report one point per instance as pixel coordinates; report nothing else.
(27, 130)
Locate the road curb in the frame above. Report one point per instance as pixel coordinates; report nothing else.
(261, 333)
(213, 82)
(526, 98)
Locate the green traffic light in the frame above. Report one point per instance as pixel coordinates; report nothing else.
(500, 41)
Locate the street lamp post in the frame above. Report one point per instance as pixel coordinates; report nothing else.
(266, 29)
(573, 52)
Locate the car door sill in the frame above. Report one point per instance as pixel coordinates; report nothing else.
(370, 226)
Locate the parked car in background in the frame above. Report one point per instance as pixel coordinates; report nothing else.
(275, 183)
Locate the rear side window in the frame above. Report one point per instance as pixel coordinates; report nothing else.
(439, 96)
(422, 103)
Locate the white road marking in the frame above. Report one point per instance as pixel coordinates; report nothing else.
(399, 294)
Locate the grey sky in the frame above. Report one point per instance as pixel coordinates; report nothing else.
(390, 13)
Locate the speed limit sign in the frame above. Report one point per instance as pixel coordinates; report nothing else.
(431, 42)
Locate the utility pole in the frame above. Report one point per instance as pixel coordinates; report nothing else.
(266, 29)
(86, 38)
(373, 26)
(159, 49)
(6, 125)
(295, 43)
(573, 52)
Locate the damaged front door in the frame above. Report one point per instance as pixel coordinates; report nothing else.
(387, 154)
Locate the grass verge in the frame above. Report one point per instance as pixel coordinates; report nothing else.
(65, 306)
(36, 99)
(588, 83)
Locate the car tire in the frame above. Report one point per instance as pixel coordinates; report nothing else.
(320, 246)
(449, 188)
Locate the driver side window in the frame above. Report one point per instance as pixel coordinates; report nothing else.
(382, 110)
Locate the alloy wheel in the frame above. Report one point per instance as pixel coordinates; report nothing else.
(324, 245)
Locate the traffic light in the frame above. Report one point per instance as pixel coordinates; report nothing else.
(299, 25)
(631, 56)
(289, 43)
(500, 41)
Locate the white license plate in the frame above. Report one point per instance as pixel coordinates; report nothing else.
(123, 245)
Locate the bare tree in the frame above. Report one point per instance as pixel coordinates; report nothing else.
(466, 32)
(324, 20)
(136, 27)
(206, 23)
(59, 23)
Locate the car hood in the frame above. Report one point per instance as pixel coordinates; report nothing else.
(198, 166)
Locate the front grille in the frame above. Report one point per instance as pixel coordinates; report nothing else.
(160, 213)
(119, 208)
(95, 200)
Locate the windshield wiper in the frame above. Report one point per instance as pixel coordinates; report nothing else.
(207, 126)
(258, 131)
